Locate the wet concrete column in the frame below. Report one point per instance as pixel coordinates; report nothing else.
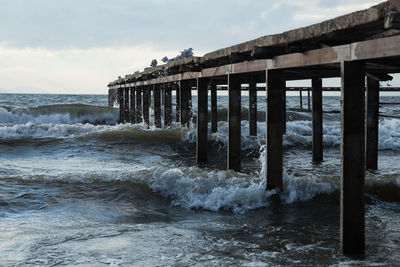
(126, 104)
(252, 108)
(146, 103)
(133, 105)
(284, 110)
(301, 99)
(185, 99)
(167, 96)
(317, 131)
(275, 87)
(352, 228)
(372, 124)
(110, 103)
(157, 104)
(234, 122)
(214, 108)
(308, 100)
(178, 101)
(121, 104)
(139, 117)
(202, 122)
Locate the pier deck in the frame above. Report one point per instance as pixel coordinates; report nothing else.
(354, 46)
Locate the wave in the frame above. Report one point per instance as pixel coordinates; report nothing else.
(214, 190)
(195, 188)
(59, 114)
(299, 133)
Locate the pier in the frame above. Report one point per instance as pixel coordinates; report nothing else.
(361, 48)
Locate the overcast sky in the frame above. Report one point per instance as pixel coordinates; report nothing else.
(78, 46)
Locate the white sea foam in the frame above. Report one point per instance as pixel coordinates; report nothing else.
(58, 115)
(298, 134)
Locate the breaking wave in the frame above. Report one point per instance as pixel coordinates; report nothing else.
(59, 114)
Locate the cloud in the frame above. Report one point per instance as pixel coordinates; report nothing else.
(71, 70)
(72, 46)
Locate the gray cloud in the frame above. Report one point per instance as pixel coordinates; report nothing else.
(171, 24)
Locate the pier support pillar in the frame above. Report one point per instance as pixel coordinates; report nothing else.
(214, 108)
(352, 228)
(275, 85)
(372, 124)
(252, 108)
(284, 110)
(139, 117)
(301, 99)
(126, 105)
(167, 96)
(146, 104)
(132, 107)
(202, 122)
(157, 104)
(317, 131)
(178, 101)
(308, 100)
(121, 104)
(185, 90)
(234, 122)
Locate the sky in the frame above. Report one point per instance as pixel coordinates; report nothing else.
(78, 46)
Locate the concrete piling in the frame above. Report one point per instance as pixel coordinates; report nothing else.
(126, 105)
(371, 156)
(157, 105)
(132, 107)
(139, 114)
(185, 91)
(352, 227)
(234, 122)
(121, 104)
(214, 108)
(202, 122)
(167, 97)
(317, 131)
(275, 87)
(146, 104)
(252, 108)
(178, 101)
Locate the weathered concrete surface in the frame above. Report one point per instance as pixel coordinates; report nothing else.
(352, 27)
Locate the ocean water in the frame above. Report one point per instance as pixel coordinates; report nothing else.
(76, 188)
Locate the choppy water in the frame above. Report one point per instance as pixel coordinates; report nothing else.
(78, 189)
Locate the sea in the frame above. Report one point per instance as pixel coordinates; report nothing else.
(79, 189)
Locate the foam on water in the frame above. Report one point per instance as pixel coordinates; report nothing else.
(59, 114)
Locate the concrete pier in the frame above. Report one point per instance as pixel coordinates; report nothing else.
(178, 102)
(234, 122)
(121, 104)
(157, 105)
(146, 104)
(132, 107)
(139, 114)
(371, 159)
(214, 108)
(301, 100)
(274, 155)
(352, 237)
(167, 102)
(252, 108)
(126, 105)
(185, 91)
(202, 122)
(363, 43)
(317, 124)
